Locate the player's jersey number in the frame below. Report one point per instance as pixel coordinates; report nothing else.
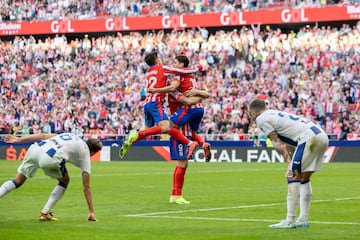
(292, 117)
(151, 82)
(52, 151)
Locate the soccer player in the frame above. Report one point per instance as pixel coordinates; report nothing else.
(186, 114)
(308, 143)
(156, 119)
(178, 153)
(178, 149)
(51, 152)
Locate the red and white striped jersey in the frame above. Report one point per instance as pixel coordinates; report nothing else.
(187, 83)
(156, 77)
(174, 104)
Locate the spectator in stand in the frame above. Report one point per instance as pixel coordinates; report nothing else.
(85, 9)
(337, 127)
(104, 72)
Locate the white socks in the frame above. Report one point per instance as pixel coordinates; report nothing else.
(298, 191)
(292, 200)
(55, 196)
(305, 199)
(7, 186)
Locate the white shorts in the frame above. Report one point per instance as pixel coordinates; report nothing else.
(36, 158)
(308, 156)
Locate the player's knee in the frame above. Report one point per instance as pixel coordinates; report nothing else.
(64, 181)
(182, 163)
(19, 180)
(165, 129)
(173, 125)
(17, 183)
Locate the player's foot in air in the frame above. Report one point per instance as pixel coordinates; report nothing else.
(47, 217)
(178, 200)
(133, 135)
(191, 150)
(207, 151)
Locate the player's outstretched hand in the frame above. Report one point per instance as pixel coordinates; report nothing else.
(91, 217)
(10, 139)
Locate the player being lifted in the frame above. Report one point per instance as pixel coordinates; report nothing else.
(193, 114)
(176, 100)
(156, 119)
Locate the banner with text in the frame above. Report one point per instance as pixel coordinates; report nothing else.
(182, 21)
(220, 153)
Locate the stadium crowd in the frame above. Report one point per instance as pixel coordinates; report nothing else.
(95, 85)
(13, 10)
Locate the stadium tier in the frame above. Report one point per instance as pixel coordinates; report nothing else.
(55, 81)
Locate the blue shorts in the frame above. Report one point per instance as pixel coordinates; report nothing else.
(178, 150)
(193, 116)
(154, 113)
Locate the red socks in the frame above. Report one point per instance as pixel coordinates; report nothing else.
(149, 132)
(197, 138)
(178, 181)
(177, 135)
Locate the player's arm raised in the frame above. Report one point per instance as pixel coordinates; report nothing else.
(28, 138)
(180, 71)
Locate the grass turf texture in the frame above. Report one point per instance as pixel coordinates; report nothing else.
(228, 201)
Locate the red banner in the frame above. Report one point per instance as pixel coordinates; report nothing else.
(182, 21)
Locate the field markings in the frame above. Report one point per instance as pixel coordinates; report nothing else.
(167, 214)
(41, 176)
(203, 210)
(241, 219)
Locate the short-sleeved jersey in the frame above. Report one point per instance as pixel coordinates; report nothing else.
(187, 83)
(291, 129)
(68, 147)
(156, 77)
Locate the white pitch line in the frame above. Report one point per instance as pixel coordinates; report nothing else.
(227, 208)
(204, 209)
(242, 219)
(8, 176)
(192, 172)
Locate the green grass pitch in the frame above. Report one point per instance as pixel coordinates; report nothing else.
(228, 201)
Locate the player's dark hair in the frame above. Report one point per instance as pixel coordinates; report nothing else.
(150, 58)
(183, 59)
(94, 145)
(257, 105)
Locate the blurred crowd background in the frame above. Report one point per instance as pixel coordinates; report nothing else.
(17, 10)
(95, 84)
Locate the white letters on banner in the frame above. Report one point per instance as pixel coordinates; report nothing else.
(112, 24)
(174, 21)
(232, 18)
(63, 26)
